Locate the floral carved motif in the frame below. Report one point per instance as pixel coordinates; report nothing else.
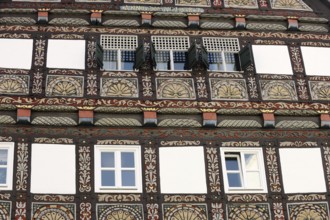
(91, 84)
(180, 143)
(91, 54)
(4, 196)
(302, 211)
(39, 56)
(20, 211)
(272, 165)
(217, 211)
(302, 89)
(54, 198)
(84, 169)
(5, 139)
(45, 140)
(119, 142)
(153, 212)
(190, 211)
(278, 211)
(119, 211)
(22, 166)
(296, 59)
(224, 89)
(298, 144)
(327, 163)
(248, 211)
(150, 169)
(247, 198)
(37, 82)
(65, 86)
(308, 197)
(240, 144)
(85, 211)
(147, 86)
(178, 88)
(201, 87)
(119, 198)
(252, 85)
(193, 2)
(185, 198)
(213, 169)
(118, 87)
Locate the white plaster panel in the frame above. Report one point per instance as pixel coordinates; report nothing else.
(316, 60)
(16, 53)
(182, 170)
(53, 169)
(272, 59)
(302, 170)
(66, 54)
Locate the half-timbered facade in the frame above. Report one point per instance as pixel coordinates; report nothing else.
(163, 110)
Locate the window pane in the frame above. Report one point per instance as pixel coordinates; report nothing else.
(3, 175)
(3, 156)
(128, 178)
(234, 180)
(110, 60)
(163, 60)
(127, 159)
(252, 180)
(127, 60)
(108, 178)
(107, 159)
(179, 60)
(232, 163)
(215, 57)
(251, 161)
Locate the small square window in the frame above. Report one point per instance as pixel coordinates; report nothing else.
(243, 170)
(6, 165)
(117, 168)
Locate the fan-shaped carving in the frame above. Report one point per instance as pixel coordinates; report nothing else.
(185, 212)
(120, 212)
(119, 87)
(278, 90)
(228, 89)
(64, 86)
(290, 4)
(175, 89)
(53, 212)
(14, 85)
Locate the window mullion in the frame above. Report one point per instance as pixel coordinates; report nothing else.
(172, 59)
(118, 169)
(223, 60)
(119, 59)
(243, 169)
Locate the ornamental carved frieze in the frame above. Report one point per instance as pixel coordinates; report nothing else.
(241, 3)
(119, 87)
(67, 86)
(184, 198)
(190, 211)
(52, 211)
(175, 88)
(85, 211)
(228, 89)
(147, 86)
(278, 211)
(258, 211)
(119, 198)
(296, 59)
(306, 197)
(217, 211)
(91, 54)
(201, 87)
(200, 3)
(53, 198)
(150, 161)
(22, 166)
(152, 211)
(273, 169)
(39, 55)
(302, 211)
(91, 84)
(278, 90)
(20, 211)
(85, 169)
(14, 84)
(326, 152)
(247, 198)
(37, 82)
(213, 169)
(119, 211)
(319, 90)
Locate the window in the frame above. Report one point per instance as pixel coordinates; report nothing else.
(171, 52)
(117, 168)
(316, 60)
(222, 53)
(119, 52)
(6, 165)
(243, 170)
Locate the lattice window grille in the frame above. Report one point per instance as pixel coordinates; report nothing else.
(118, 42)
(170, 43)
(213, 44)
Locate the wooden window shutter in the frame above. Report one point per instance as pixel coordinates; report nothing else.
(153, 55)
(246, 56)
(99, 55)
(205, 57)
(192, 57)
(140, 57)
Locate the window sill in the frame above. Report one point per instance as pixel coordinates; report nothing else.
(238, 191)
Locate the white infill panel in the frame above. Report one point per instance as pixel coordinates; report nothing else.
(182, 170)
(114, 42)
(170, 43)
(302, 170)
(214, 44)
(16, 53)
(66, 54)
(272, 59)
(53, 169)
(316, 60)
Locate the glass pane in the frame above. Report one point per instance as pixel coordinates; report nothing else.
(230, 61)
(3, 175)
(127, 60)
(232, 163)
(163, 60)
(127, 159)
(127, 65)
(215, 57)
(3, 156)
(252, 180)
(110, 60)
(107, 159)
(108, 178)
(179, 66)
(234, 180)
(128, 178)
(179, 60)
(251, 161)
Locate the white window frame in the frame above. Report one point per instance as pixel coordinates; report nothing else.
(10, 163)
(118, 43)
(222, 45)
(239, 154)
(171, 44)
(117, 149)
